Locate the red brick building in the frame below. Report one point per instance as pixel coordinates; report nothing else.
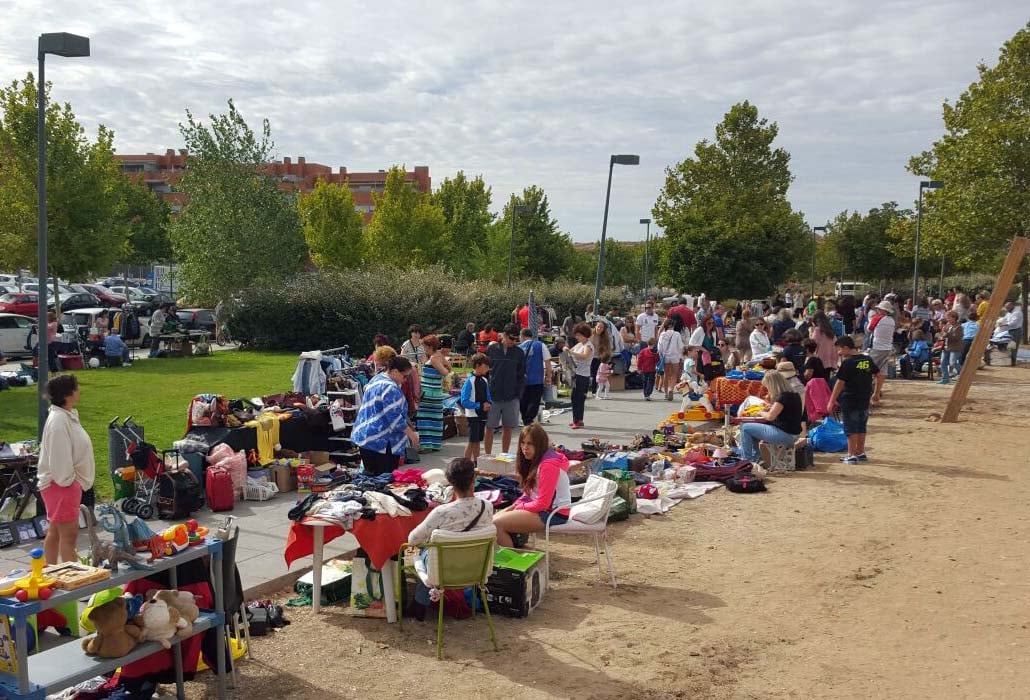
(161, 173)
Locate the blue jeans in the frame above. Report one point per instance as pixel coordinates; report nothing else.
(648, 383)
(949, 364)
(752, 433)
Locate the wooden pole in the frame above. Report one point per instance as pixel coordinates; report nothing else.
(1006, 278)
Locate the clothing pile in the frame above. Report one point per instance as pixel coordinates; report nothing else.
(364, 497)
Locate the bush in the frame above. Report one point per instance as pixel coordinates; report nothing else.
(327, 310)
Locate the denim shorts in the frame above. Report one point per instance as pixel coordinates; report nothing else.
(558, 518)
(854, 420)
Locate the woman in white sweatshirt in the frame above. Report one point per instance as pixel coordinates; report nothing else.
(670, 349)
(66, 468)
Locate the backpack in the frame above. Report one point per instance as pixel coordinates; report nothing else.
(220, 494)
(720, 471)
(178, 495)
(745, 483)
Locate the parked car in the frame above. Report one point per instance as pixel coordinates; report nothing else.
(86, 318)
(82, 300)
(105, 295)
(137, 298)
(119, 281)
(23, 303)
(14, 334)
(197, 319)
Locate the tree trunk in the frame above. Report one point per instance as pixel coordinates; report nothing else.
(57, 298)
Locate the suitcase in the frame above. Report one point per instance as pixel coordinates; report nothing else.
(220, 493)
(179, 495)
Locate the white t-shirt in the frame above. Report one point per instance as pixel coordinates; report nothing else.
(648, 326)
(670, 345)
(583, 363)
(883, 334)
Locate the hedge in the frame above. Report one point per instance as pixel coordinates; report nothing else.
(324, 310)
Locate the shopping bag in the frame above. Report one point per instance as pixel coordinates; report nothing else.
(828, 437)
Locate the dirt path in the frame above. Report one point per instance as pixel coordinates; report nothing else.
(902, 578)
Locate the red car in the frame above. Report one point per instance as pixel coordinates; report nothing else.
(105, 295)
(24, 303)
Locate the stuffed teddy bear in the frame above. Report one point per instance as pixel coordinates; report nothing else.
(114, 638)
(185, 603)
(159, 622)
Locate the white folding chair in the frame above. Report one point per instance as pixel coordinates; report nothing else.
(588, 516)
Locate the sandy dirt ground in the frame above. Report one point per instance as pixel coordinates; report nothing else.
(902, 578)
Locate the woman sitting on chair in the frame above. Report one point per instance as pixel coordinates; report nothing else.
(463, 514)
(544, 476)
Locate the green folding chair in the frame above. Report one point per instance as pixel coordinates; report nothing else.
(455, 561)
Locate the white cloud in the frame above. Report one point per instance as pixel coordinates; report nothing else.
(531, 94)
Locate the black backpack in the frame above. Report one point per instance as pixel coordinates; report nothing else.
(179, 495)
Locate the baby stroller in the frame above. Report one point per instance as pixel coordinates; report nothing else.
(149, 467)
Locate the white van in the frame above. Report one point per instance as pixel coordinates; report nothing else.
(856, 289)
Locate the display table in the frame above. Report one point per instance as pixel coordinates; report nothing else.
(380, 538)
(64, 666)
(18, 477)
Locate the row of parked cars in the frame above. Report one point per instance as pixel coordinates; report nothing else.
(80, 305)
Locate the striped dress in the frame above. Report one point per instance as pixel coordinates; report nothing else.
(429, 419)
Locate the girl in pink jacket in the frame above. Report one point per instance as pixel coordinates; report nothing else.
(544, 476)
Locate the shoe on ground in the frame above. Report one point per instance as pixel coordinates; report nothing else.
(576, 426)
(862, 457)
(850, 459)
(647, 398)
(943, 383)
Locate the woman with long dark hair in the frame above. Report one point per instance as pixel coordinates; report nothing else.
(601, 339)
(543, 475)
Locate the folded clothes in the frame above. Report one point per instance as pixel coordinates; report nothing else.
(408, 476)
(383, 503)
(412, 498)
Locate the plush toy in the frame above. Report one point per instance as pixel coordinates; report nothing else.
(159, 622)
(185, 603)
(114, 638)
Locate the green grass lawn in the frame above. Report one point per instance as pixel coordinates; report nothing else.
(155, 392)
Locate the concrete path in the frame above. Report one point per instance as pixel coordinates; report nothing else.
(264, 525)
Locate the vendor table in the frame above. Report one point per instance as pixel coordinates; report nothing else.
(732, 392)
(181, 344)
(380, 538)
(17, 474)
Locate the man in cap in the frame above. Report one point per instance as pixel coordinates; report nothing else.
(883, 326)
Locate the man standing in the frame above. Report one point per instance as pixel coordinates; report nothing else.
(1012, 321)
(538, 375)
(684, 317)
(883, 326)
(647, 325)
(507, 379)
(521, 315)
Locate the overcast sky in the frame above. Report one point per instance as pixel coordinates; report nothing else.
(534, 93)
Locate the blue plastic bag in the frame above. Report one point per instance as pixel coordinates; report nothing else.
(828, 437)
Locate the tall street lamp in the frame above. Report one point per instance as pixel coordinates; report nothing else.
(923, 185)
(815, 247)
(647, 253)
(69, 46)
(516, 209)
(615, 160)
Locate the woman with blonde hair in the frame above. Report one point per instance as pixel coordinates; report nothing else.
(543, 475)
(780, 423)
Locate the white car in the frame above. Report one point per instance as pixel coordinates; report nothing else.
(86, 318)
(14, 332)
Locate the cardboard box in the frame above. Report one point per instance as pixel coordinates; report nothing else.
(284, 478)
(316, 457)
(617, 382)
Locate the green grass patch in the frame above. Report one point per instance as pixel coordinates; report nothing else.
(156, 393)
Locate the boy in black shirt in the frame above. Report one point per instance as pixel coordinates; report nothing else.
(852, 391)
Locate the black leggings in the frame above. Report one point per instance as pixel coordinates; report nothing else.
(579, 397)
(530, 402)
(594, 364)
(377, 463)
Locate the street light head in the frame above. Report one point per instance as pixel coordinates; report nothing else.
(64, 44)
(625, 160)
(521, 208)
(932, 184)
(645, 221)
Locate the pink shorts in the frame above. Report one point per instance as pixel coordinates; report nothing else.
(62, 502)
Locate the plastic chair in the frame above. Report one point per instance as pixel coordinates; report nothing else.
(456, 560)
(585, 518)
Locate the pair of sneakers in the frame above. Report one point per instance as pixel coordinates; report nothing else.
(854, 459)
(576, 425)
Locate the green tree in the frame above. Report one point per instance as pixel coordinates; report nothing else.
(333, 227)
(86, 228)
(623, 264)
(407, 228)
(466, 208)
(147, 218)
(542, 250)
(727, 204)
(984, 160)
(238, 227)
(861, 246)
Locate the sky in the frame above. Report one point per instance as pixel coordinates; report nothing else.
(534, 93)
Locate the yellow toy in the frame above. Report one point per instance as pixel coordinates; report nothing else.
(177, 538)
(35, 586)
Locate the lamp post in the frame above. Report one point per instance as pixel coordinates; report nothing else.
(516, 209)
(815, 247)
(615, 160)
(69, 46)
(647, 254)
(923, 185)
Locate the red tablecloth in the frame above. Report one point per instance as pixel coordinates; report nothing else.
(380, 538)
